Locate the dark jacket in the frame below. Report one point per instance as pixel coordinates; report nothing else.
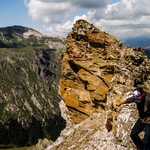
(143, 108)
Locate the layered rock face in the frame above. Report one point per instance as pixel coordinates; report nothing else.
(98, 70)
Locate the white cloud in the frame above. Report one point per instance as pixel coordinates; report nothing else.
(56, 11)
(125, 10)
(48, 12)
(123, 18)
(89, 3)
(80, 3)
(61, 29)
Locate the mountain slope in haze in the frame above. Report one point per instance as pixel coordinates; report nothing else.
(143, 42)
(29, 74)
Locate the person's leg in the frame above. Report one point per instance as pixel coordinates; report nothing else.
(147, 137)
(138, 127)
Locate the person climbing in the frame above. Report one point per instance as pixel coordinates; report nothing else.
(142, 99)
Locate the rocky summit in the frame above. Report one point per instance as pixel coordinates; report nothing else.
(98, 71)
(96, 66)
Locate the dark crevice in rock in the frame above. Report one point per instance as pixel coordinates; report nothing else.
(73, 66)
(97, 103)
(49, 73)
(81, 38)
(103, 81)
(109, 125)
(74, 109)
(39, 71)
(44, 62)
(46, 56)
(97, 44)
(85, 84)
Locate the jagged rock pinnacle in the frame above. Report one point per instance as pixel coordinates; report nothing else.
(94, 64)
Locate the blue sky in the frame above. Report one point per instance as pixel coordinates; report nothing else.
(15, 13)
(121, 18)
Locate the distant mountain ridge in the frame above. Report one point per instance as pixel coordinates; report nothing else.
(143, 42)
(30, 73)
(14, 29)
(19, 36)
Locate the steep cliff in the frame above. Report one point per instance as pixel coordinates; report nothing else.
(98, 71)
(29, 100)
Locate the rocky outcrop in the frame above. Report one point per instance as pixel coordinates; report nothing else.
(94, 64)
(90, 134)
(97, 72)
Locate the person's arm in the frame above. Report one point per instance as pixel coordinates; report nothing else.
(120, 103)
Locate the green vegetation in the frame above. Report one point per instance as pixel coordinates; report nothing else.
(30, 73)
(31, 42)
(2, 108)
(12, 147)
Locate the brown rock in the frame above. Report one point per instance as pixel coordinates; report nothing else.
(97, 70)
